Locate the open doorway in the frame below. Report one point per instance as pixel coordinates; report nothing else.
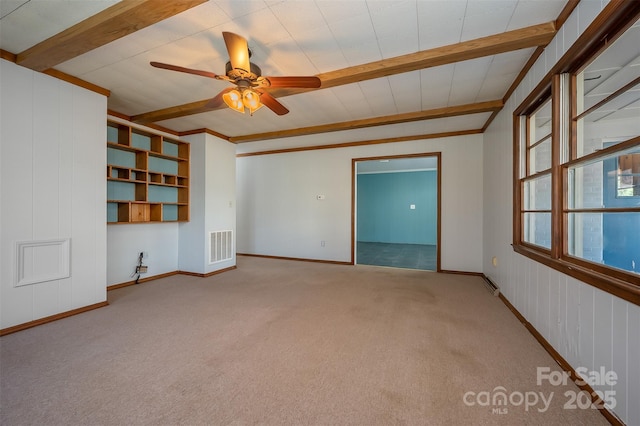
(396, 211)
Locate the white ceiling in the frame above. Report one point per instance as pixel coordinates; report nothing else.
(299, 37)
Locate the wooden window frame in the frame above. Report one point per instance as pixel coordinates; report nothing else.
(531, 175)
(612, 22)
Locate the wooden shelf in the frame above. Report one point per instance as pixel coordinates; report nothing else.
(147, 176)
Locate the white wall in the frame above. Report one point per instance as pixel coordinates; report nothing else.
(588, 327)
(220, 195)
(125, 242)
(213, 202)
(279, 214)
(53, 185)
(191, 240)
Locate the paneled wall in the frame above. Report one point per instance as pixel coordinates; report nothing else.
(588, 327)
(52, 211)
(279, 213)
(213, 203)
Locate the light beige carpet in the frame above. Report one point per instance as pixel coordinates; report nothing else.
(280, 342)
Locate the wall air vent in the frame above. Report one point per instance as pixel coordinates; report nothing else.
(220, 246)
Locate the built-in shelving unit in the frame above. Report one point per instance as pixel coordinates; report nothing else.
(147, 176)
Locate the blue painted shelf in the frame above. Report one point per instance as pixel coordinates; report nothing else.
(147, 176)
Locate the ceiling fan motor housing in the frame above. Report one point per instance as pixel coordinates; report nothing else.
(240, 74)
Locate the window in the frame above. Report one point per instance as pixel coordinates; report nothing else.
(603, 216)
(577, 195)
(536, 182)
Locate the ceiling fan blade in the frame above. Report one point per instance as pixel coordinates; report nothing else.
(217, 100)
(297, 82)
(183, 69)
(238, 51)
(271, 103)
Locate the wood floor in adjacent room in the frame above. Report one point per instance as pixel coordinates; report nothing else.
(280, 342)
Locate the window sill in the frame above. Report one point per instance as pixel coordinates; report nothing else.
(627, 290)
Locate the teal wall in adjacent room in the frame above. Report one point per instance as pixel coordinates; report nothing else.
(384, 213)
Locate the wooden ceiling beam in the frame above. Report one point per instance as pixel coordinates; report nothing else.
(119, 20)
(365, 142)
(536, 35)
(453, 111)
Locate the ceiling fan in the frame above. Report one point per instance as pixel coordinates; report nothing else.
(249, 83)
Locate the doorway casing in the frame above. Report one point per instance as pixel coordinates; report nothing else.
(354, 161)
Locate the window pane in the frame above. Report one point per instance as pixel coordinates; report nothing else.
(540, 157)
(540, 123)
(616, 120)
(585, 186)
(537, 229)
(614, 68)
(609, 182)
(613, 122)
(537, 193)
(611, 239)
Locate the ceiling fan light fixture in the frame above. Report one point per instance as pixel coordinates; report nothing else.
(233, 99)
(251, 100)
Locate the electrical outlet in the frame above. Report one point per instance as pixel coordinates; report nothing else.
(321, 243)
(141, 269)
